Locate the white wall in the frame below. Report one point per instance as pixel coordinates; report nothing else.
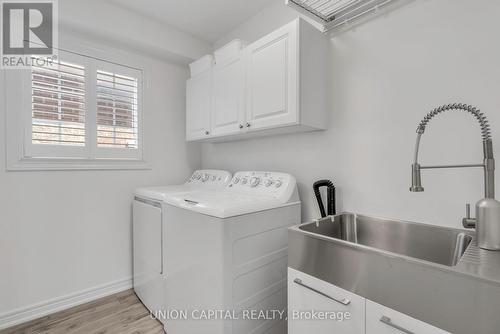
(386, 74)
(120, 26)
(65, 232)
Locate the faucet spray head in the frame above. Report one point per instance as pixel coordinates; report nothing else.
(416, 180)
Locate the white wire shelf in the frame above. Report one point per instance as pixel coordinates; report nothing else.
(334, 14)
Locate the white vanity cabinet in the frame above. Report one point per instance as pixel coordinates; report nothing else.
(199, 99)
(307, 294)
(277, 84)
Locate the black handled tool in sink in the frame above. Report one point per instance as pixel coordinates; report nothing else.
(330, 197)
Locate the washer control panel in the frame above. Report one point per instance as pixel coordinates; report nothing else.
(263, 183)
(210, 177)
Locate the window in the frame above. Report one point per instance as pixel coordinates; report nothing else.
(116, 111)
(58, 105)
(84, 109)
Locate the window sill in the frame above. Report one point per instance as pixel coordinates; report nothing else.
(55, 164)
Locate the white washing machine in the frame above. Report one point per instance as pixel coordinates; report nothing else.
(226, 256)
(148, 237)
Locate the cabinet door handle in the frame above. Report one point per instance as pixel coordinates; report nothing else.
(344, 301)
(388, 322)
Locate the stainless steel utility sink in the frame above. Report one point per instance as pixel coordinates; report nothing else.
(435, 274)
(439, 245)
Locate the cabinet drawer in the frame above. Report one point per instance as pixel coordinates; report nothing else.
(315, 306)
(383, 320)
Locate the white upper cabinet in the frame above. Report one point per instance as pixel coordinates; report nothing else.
(272, 80)
(277, 84)
(228, 109)
(199, 99)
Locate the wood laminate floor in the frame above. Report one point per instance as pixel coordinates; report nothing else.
(121, 313)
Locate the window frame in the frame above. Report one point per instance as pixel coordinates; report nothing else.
(22, 154)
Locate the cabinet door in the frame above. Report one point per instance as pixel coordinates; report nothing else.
(198, 105)
(148, 260)
(335, 310)
(228, 112)
(272, 79)
(383, 320)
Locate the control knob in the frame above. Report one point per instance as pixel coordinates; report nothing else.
(244, 181)
(254, 182)
(205, 178)
(278, 184)
(236, 180)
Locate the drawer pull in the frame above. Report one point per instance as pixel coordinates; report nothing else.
(388, 322)
(344, 301)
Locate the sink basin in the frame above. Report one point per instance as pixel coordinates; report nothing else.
(435, 244)
(434, 274)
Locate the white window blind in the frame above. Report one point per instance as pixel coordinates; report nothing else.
(82, 111)
(58, 105)
(117, 111)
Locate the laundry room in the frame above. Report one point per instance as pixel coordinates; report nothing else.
(264, 166)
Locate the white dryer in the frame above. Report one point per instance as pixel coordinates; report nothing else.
(148, 237)
(226, 256)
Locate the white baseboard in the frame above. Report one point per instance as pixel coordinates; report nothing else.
(42, 309)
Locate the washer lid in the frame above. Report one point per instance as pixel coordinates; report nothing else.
(162, 193)
(201, 179)
(248, 192)
(223, 204)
